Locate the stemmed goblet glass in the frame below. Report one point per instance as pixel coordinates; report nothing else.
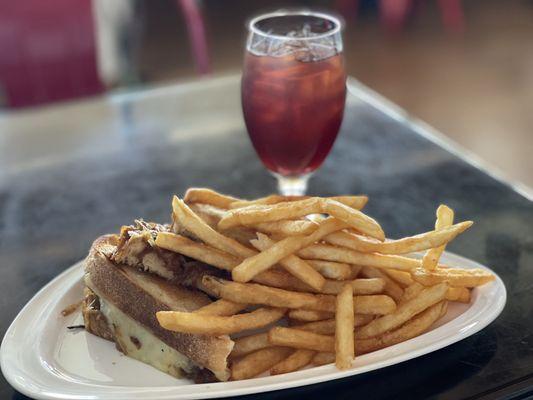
(293, 92)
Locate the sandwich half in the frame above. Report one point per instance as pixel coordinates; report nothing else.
(127, 281)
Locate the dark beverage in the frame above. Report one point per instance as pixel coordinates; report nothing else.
(293, 108)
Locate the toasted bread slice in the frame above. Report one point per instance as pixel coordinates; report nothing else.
(128, 300)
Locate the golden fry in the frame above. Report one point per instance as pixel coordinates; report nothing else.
(295, 265)
(459, 294)
(342, 254)
(252, 293)
(310, 315)
(402, 278)
(404, 312)
(208, 213)
(266, 201)
(252, 266)
(359, 286)
(186, 220)
(287, 227)
(298, 359)
(296, 209)
(391, 287)
(327, 326)
(423, 241)
(354, 218)
(456, 277)
(198, 251)
(332, 270)
(411, 291)
(258, 362)
(444, 220)
(323, 358)
(203, 324)
(357, 202)
(344, 326)
(208, 196)
(415, 327)
(223, 308)
(249, 344)
(280, 336)
(377, 304)
(283, 280)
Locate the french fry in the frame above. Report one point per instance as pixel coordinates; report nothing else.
(376, 304)
(241, 234)
(411, 291)
(444, 220)
(402, 278)
(283, 280)
(208, 196)
(252, 266)
(327, 326)
(186, 220)
(248, 344)
(258, 362)
(287, 227)
(459, 294)
(296, 209)
(404, 312)
(324, 327)
(357, 202)
(332, 270)
(456, 277)
(290, 337)
(414, 327)
(391, 287)
(323, 358)
(211, 215)
(423, 241)
(252, 293)
(341, 254)
(203, 324)
(223, 308)
(344, 326)
(208, 213)
(359, 286)
(265, 201)
(354, 218)
(295, 265)
(310, 315)
(298, 359)
(198, 251)
(281, 211)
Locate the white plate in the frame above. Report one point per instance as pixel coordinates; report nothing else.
(41, 358)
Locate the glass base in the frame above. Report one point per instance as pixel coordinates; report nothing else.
(292, 185)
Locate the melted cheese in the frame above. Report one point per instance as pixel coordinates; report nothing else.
(138, 342)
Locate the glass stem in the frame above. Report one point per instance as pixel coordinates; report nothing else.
(292, 185)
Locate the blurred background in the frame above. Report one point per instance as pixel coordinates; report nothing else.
(463, 66)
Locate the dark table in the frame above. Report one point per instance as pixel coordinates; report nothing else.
(71, 172)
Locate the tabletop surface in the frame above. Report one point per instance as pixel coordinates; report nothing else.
(72, 172)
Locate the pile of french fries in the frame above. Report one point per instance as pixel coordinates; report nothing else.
(314, 278)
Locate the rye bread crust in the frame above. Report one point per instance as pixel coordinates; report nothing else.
(123, 286)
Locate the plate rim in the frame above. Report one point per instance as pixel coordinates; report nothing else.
(71, 276)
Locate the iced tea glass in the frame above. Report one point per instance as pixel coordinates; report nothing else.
(293, 92)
